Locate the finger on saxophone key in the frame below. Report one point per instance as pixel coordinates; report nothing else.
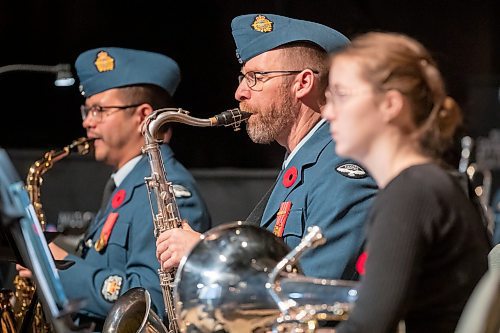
(173, 244)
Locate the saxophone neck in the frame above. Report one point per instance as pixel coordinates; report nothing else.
(40, 167)
(153, 123)
(82, 145)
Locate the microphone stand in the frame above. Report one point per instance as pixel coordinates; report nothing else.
(63, 73)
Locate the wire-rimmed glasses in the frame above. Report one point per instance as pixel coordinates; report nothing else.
(97, 112)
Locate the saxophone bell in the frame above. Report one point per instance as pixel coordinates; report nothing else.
(132, 312)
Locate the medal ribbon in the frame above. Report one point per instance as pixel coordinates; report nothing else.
(106, 231)
(281, 218)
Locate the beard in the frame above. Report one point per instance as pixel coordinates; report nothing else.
(270, 122)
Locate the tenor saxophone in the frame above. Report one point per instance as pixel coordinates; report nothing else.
(166, 217)
(24, 288)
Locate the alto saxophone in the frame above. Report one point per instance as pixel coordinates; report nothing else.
(34, 178)
(24, 288)
(168, 216)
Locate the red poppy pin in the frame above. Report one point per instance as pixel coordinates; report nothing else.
(290, 177)
(118, 199)
(360, 263)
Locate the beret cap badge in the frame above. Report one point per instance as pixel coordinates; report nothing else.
(104, 62)
(262, 24)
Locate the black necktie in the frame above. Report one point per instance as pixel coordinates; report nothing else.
(108, 189)
(256, 214)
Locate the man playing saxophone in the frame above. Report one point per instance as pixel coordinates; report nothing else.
(121, 88)
(282, 82)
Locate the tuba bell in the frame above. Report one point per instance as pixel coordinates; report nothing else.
(221, 285)
(241, 278)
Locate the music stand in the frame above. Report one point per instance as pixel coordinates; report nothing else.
(24, 237)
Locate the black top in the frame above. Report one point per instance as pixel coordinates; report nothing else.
(427, 248)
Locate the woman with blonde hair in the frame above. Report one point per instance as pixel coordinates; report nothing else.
(426, 244)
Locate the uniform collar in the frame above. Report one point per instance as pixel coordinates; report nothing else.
(302, 142)
(123, 172)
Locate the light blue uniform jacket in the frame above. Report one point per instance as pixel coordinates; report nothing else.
(131, 251)
(324, 197)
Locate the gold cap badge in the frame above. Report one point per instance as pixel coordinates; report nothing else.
(104, 62)
(262, 24)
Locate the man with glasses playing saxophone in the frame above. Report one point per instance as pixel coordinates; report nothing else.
(121, 88)
(282, 83)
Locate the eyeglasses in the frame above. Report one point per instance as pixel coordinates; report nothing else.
(97, 112)
(253, 77)
(342, 95)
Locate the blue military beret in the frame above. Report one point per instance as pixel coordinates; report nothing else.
(111, 67)
(258, 33)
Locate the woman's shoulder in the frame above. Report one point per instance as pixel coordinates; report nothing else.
(424, 183)
(427, 175)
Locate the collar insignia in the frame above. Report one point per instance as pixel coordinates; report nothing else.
(104, 62)
(351, 170)
(262, 24)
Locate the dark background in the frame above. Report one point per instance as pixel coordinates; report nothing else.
(462, 35)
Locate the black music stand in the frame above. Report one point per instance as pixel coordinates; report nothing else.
(22, 240)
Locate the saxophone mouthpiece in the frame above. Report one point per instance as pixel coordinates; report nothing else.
(233, 117)
(82, 145)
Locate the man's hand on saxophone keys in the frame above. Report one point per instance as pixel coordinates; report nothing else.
(173, 244)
